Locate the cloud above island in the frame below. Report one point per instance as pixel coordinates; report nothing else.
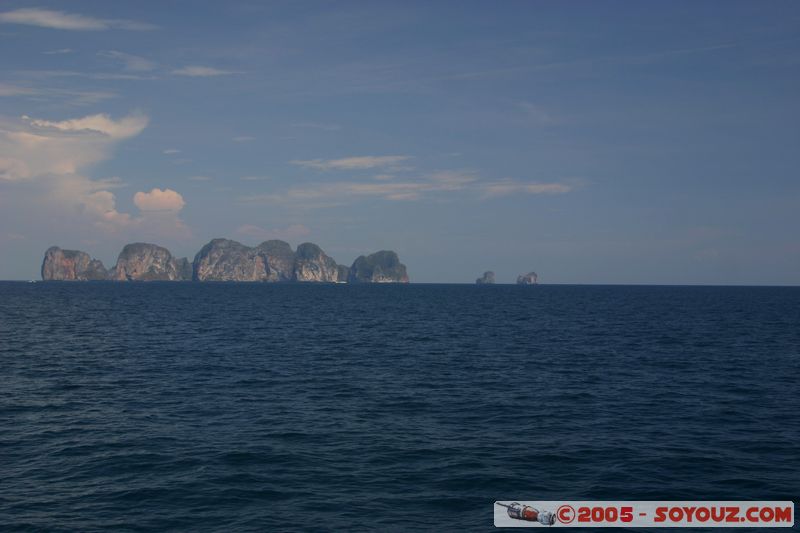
(48, 161)
(407, 189)
(159, 200)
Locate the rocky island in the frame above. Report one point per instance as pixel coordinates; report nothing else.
(71, 265)
(147, 262)
(380, 267)
(486, 279)
(225, 260)
(531, 278)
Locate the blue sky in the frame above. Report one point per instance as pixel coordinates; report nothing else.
(593, 142)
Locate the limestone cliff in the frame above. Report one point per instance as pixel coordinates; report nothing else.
(380, 267)
(227, 260)
(148, 262)
(312, 264)
(71, 265)
(280, 260)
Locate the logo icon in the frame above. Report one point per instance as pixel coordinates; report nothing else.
(527, 513)
(565, 514)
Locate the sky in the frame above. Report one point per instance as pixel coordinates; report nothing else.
(591, 142)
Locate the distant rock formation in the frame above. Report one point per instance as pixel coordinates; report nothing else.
(148, 262)
(312, 264)
(225, 260)
(380, 267)
(280, 260)
(531, 278)
(71, 265)
(344, 273)
(486, 279)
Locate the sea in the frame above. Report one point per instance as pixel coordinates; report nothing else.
(305, 407)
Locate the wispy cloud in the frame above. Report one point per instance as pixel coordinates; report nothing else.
(45, 74)
(352, 163)
(60, 20)
(325, 194)
(102, 123)
(199, 178)
(507, 187)
(389, 190)
(202, 72)
(255, 178)
(73, 97)
(317, 126)
(171, 151)
(60, 51)
(536, 114)
(130, 62)
(9, 89)
(243, 139)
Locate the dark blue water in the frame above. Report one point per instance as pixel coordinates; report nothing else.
(303, 407)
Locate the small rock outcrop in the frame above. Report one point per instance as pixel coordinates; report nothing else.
(486, 279)
(531, 278)
(380, 267)
(148, 262)
(312, 264)
(227, 260)
(71, 265)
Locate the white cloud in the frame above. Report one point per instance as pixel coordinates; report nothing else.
(293, 231)
(32, 148)
(102, 205)
(59, 51)
(352, 163)
(60, 20)
(243, 139)
(43, 163)
(129, 61)
(199, 178)
(124, 128)
(170, 151)
(202, 72)
(159, 200)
